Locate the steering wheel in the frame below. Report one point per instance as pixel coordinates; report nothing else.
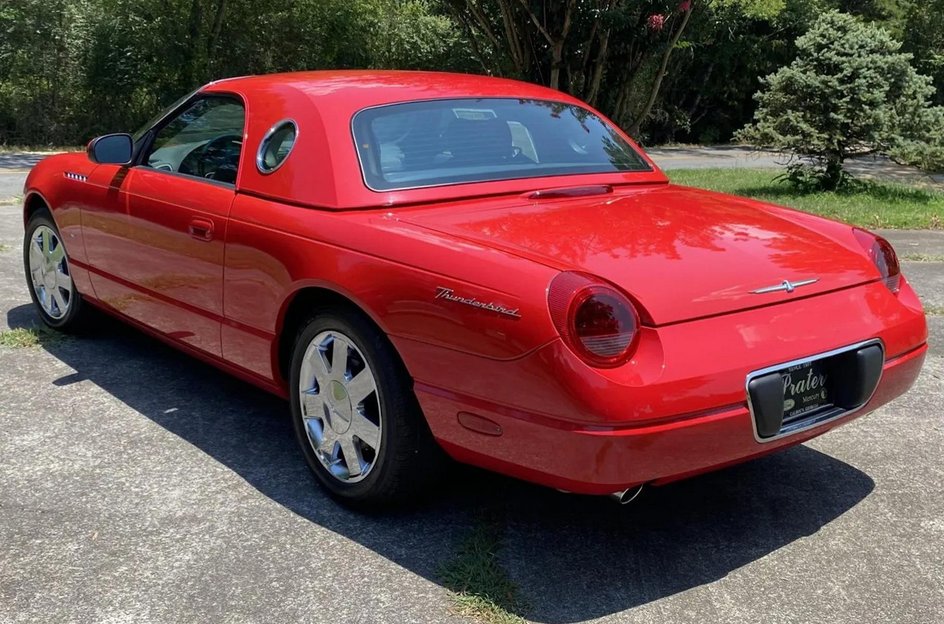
(216, 155)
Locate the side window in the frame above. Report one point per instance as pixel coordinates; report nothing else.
(275, 146)
(203, 141)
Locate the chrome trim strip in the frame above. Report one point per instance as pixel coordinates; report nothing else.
(824, 418)
(260, 166)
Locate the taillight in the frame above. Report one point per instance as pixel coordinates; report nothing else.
(883, 255)
(598, 322)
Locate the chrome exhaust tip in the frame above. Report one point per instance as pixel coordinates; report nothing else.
(625, 497)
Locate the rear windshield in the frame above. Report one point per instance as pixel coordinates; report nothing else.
(419, 144)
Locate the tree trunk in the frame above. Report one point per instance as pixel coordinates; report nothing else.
(698, 96)
(512, 40)
(583, 75)
(214, 39)
(833, 175)
(623, 94)
(188, 73)
(468, 13)
(557, 55)
(217, 24)
(598, 68)
(657, 83)
(556, 43)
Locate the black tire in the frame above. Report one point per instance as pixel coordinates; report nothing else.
(409, 461)
(74, 318)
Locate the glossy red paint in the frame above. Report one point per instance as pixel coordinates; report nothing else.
(677, 408)
(214, 269)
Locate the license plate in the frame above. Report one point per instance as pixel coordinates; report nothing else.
(805, 389)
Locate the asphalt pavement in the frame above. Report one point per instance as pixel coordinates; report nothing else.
(874, 166)
(14, 166)
(138, 485)
(13, 170)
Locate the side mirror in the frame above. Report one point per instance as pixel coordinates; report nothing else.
(111, 149)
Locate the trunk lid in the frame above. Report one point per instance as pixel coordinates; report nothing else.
(682, 253)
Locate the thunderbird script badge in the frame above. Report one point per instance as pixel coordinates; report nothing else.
(450, 295)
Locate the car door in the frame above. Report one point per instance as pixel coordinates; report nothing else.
(164, 268)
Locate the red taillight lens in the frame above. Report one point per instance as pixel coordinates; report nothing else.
(597, 321)
(883, 255)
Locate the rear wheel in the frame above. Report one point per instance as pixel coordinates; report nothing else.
(355, 415)
(48, 275)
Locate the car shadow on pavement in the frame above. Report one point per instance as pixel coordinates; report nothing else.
(573, 557)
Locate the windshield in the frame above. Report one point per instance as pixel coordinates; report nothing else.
(419, 144)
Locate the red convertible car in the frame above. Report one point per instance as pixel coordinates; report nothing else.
(426, 262)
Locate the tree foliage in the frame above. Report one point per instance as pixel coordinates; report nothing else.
(923, 36)
(597, 50)
(850, 90)
(708, 92)
(665, 70)
(70, 69)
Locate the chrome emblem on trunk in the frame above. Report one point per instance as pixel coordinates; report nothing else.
(450, 295)
(786, 285)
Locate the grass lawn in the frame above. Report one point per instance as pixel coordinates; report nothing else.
(481, 589)
(869, 204)
(25, 337)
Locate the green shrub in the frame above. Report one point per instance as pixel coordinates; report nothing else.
(925, 148)
(849, 91)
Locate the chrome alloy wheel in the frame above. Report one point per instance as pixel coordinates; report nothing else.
(49, 272)
(340, 406)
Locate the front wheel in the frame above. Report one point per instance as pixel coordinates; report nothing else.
(48, 277)
(355, 415)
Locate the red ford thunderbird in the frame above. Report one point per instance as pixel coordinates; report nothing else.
(431, 265)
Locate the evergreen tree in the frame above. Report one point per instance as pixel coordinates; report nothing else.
(849, 91)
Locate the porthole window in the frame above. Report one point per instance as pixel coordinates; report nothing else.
(276, 146)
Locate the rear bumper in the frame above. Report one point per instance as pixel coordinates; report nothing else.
(597, 460)
(677, 409)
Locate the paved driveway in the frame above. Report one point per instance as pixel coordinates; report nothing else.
(13, 170)
(138, 485)
(14, 167)
(737, 157)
